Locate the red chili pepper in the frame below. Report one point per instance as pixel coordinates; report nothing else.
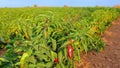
(70, 51)
(56, 60)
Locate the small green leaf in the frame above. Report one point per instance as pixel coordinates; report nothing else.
(41, 65)
(54, 44)
(4, 60)
(30, 51)
(64, 45)
(22, 60)
(54, 55)
(32, 59)
(85, 46)
(49, 64)
(60, 56)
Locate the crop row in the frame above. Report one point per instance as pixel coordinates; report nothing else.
(51, 37)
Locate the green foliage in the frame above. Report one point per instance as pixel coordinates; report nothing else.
(34, 37)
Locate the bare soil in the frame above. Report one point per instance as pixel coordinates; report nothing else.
(110, 57)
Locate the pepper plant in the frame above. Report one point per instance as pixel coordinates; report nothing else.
(51, 37)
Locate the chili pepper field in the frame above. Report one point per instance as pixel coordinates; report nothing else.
(51, 37)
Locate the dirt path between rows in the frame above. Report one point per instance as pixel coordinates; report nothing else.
(110, 57)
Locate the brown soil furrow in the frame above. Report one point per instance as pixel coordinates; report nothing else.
(110, 58)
